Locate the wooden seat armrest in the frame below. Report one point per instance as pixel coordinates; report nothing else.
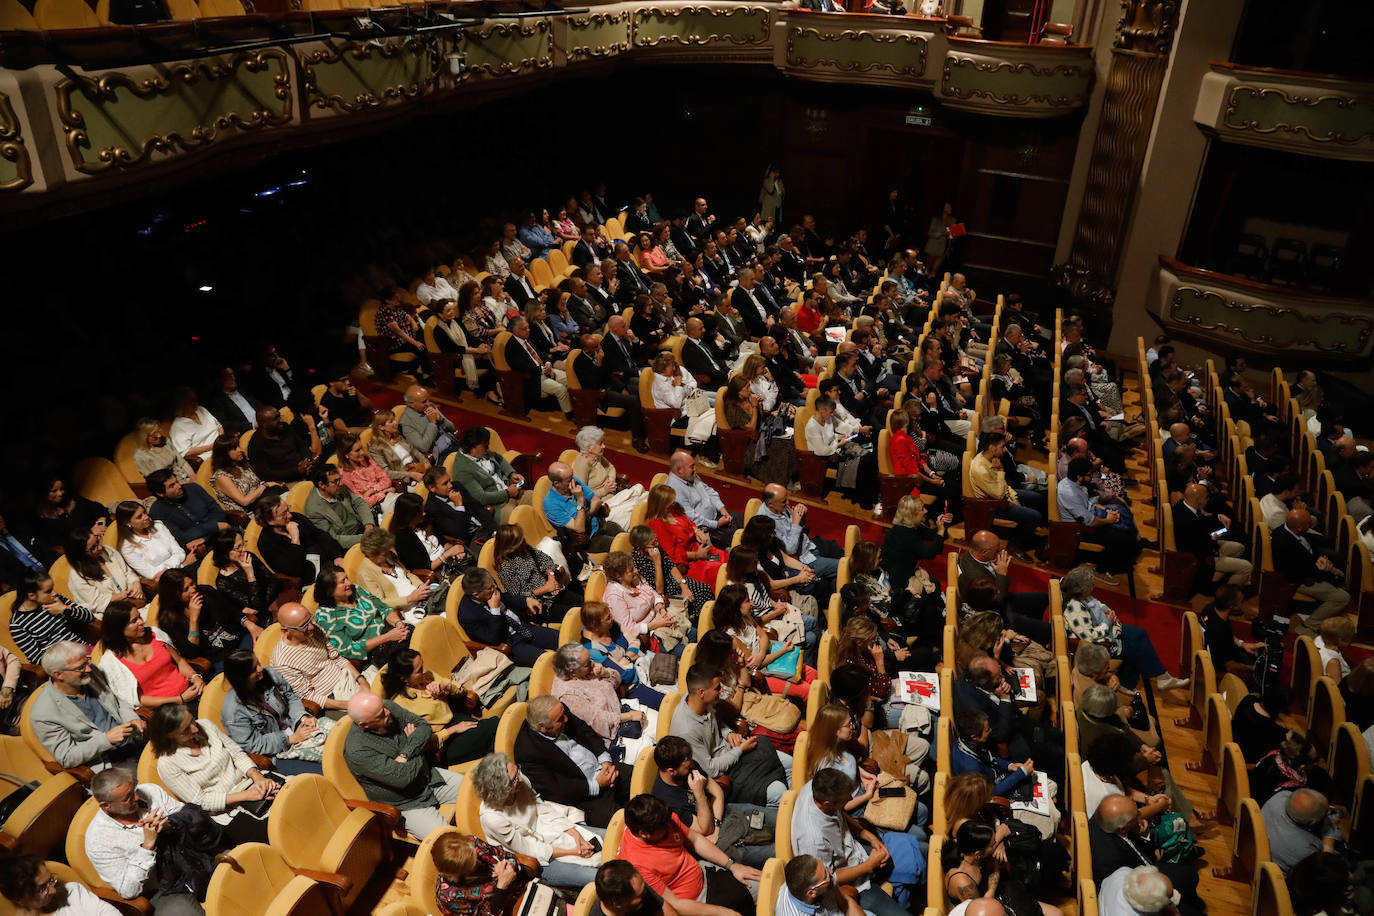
(202, 666)
(81, 774)
(9, 844)
(144, 712)
(287, 581)
(261, 761)
(32, 674)
(343, 883)
(389, 813)
(139, 906)
(312, 707)
(475, 647)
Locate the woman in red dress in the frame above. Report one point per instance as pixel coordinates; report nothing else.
(681, 541)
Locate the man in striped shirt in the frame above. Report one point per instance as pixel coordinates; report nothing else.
(322, 678)
(43, 618)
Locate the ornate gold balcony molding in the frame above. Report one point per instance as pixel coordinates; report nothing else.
(1307, 113)
(1221, 310)
(96, 125)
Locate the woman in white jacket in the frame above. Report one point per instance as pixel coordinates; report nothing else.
(514, 817)
(676, 389)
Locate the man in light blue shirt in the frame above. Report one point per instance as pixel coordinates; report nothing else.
(810, 890)
(1113, 528)
(822, 555)
(571, 504)
(821, 828)
(700, 502)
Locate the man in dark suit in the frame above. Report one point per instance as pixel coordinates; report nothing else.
(455, 514)
(699, 222)
(567, 762)
(984, 688)
(587, 310)
(1025, 611)
(747, 299)
(235, 409)
(1195, 533)
(791, 386)
(702, 359)
(519, 284)
(1116, 835)
(730, 327)
(716, 266)
(682, 240)
(540, 376)
(598, 293)
(592, 373)
(620, 348)
(1299, 560)
(1075, 404)
(497, 620)
(632, 280)
(589, 250)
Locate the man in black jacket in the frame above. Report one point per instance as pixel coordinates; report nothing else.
(589, 251)
(592, 373)
(750, 304)
(1197, 532)
(567, 762)
(984, 688)
(520, 284)
(486, 617)
(540, 375)
(1299, 560)
(620, 360)
(1025, 611)
(1117, 837)
(702, 359)
(454, 513)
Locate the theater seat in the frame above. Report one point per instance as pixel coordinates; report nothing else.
(255, 879)
(15, 17)
(81, 863)
(224, 8)
(39, 823)
(65, 14)
(311, 821)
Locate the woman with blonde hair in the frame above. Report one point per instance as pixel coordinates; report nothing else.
(1334, 635)
(381, 574)
(476, 878)
(911, 540)
(676, 389)
(761, 383)
(392, 452)
(681, 541)
(155, 452)
(965, 796)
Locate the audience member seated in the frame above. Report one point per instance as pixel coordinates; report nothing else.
(980, 872)
(692, 874)
(988, 481)
(417, 545)
(194, 429)
(608, 647)
(1110, 768)
(80, 720)
(199, 764)
(1203, 535)
(700, 502)
(1230, 653)
(425, 427)
(1302, 561)
(591, 693)
(1088, 619)
(1299, 823)
(290, 543)
(679, 537)
(810, 886)
(1119, 838)
(314, 669)
(31, 888)
(596, 370)
(40, 618)
(234, 483)
(386, 751)
(366, 479)
(276, 452)
(336, 510)
(1113, 528)
(454, 514)
(199, 621)
(487, 476)
(1092, 666)
(58, 513)
(235, 409)
(123, 838)
(821, 828)
(986, 689)
(567, 762)
(674, 388)
(98, 574)
(1024, 611)
(453, 712)
(1097, 716)
(242, 580)
(263, 715)
(757, 771)
(383, 576)
(519, 822)
(186, 510)
(362, 627)
(572, 508)
(476, 878)
(780, 662)
(641, 612)
(540, 373)
(1293, 764)
(147, 546)
(526, 570)
(349, 410)
(140, 664)
(984, 633)
(595, 471)
(155, 452)
(393, 452)
(487, 619)
(700, 804)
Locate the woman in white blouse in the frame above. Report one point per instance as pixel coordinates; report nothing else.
(676, 389)
(195, 429)
(99, 574)
(514, 817)
(147, 546)
(200, 765)
(761, 382)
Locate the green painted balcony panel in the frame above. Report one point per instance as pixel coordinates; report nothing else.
(1015, 80)
(344, 77)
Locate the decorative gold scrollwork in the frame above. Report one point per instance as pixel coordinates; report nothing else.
(104, 89)
(364, 50)
(852, 66)
(1343, 102)
(12, 148)
(578, 52)
(1292, 317)
(714, 12)
(1016, 68)
(508, 30)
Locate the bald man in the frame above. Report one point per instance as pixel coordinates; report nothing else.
(1118, 837)
(702, 358)
(1025, 611)
(1299, 823)
(1208, 537)
(593, 372)
(387, 751)
(572, 505)
(425, 427)
(323, 679)
(1301, 561)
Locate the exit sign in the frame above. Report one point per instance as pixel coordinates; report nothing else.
(918, 119)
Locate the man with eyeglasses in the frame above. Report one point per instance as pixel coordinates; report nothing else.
(810, 890)
(26, 882)
(321, 677)
(80, 720)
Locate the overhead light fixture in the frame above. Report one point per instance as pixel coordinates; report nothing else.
(206, 289)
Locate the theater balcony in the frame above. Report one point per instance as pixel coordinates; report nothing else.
(88, 107)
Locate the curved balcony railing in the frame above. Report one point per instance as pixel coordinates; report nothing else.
(82, 109)
(1219, 311)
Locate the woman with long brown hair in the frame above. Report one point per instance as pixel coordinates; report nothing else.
(529, 571)
(681, 541)
(734, 615)
(365, 477)
(235, 484)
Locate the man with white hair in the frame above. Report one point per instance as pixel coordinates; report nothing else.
(80, 720)
(123, 837)
(1139, 891)
(425, 427)
(386, 751)
(567, 762)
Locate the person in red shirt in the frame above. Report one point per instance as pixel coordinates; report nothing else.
(677, 862)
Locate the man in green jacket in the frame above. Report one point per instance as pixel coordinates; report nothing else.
(386, 750)
(335, 509)
(487, 475)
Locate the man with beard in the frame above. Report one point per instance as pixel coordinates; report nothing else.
(810, 889)
(81, 721)
(26, 882)
(275, 453)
